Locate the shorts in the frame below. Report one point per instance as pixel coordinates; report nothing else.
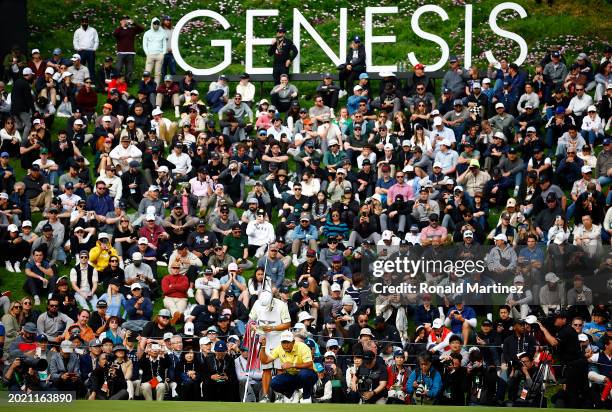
(275, 364)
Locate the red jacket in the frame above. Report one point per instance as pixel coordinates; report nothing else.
(121, 87)
(175, 286)
(170, 90)
(151, 235)
(392, 376)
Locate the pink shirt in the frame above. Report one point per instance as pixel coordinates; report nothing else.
(429, 232)
(404, 189)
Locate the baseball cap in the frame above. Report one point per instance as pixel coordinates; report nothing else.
(286, 336)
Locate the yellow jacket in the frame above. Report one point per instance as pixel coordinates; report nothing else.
(99, 257)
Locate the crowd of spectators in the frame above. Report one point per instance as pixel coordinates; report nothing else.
(156, 223)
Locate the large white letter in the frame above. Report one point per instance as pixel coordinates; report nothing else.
(370, 39)
(508, 34)
(414, 22)
(251, 41)
(226, 44)
(467, 58)
(299, 20)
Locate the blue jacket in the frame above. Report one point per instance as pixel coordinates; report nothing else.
(352, 103)
(467, 313)
(100, 204)
(146, 307)
(305, 234)
(433, 382)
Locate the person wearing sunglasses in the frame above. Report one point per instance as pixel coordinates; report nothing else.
(52, 322)
(154, 45)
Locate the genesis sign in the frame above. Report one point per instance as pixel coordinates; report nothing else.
(370, 40)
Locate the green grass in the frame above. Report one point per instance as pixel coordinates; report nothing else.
(576, 24)
(137, 406)
(580, 25)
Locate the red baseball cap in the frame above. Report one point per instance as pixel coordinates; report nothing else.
(419, 66)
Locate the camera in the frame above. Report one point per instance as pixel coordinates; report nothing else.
(420, 392)
(37, 364)
(364, 384)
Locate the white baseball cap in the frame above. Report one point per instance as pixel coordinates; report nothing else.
(437, 323)
(49, 70)
(366, 331)
(27, 71)
(551, 277)
(287, 336)
(75, 57)
(501, 236)
(335, 287)
(135, 285)
(387, 235)
(388, 146)
(106, 119)
(78, 121)
(437, 121)
(500, 106)
(157, 111)
(143, 240)
(303, 315)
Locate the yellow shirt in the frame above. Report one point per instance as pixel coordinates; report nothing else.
(300, 353)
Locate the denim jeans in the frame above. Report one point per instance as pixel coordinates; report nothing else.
(287, 384)
(168, 65)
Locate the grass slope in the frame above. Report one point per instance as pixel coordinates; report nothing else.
(580, 25)
(138, 406)
(577, 24)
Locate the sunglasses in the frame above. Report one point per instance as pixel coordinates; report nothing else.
(53, 306)
(16, 307)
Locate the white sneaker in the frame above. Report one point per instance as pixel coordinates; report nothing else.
(264, 399)
(17, 267)
(280, 398)
(295, 398)
(177, 112)
(36, 300)
(9, 267)
(342, 94)
(161, 263)
(295, 261)
(303, 400)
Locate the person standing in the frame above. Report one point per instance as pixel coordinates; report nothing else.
(169, 64)
(85, 41)
(22, 102)
(284, 52)
(125, 35)
(154, 44)
(272, 318)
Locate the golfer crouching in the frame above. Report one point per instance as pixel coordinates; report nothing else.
(296, 368)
